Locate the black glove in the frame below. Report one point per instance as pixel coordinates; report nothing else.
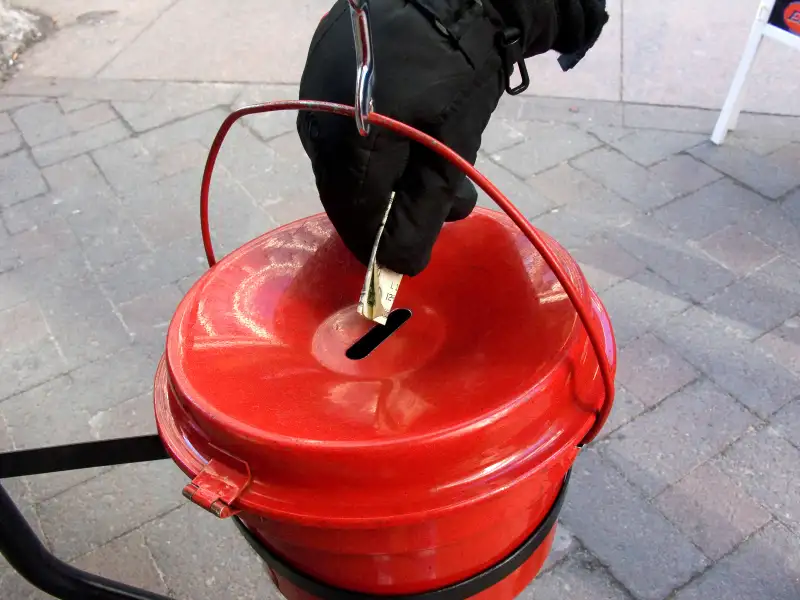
(440, 68)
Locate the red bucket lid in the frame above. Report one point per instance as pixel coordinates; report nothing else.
(490, 376)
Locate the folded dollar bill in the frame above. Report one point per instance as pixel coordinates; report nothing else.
(381, 284)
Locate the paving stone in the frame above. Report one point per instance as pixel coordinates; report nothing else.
(765, 566)
(274, 124)
(28, 214)
(626, 408)
(90, 116)
(14, 587)
(41, 122)
(77, 180)
(778, 126)
(126, 559)
(501, 134)
(783, 345)
(764, 299)
(69, 105)
(609, 133)
(29, 353)
(712, 510)
(767, 467)
(133, 417)
(710, 209)
(757, 144)
(35, 421)
(738, 249)
(684, 266)
(170, 263)
(569, 110)
(684, 174)
(174, 101)
(763, 174)
(44, 241)
(12, 102)
(524, 197)
(6, 124)
(106, 233)
(204, 558)
(9, 255)
(671, 118)
(623, 176)
(721, 348)
(775, 226)
(652, 370)
(605, 263)
(117, 501)
(547, 146)
(647, 146)
(662, 446)
(78, 143)
(94, 89)
(640, 303)
(616, 523)
(787, 422)
(564, 544)
(148, 316)
(19, 178)
(580, 577)
(10, 142)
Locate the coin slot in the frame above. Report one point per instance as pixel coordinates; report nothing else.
(376, 336)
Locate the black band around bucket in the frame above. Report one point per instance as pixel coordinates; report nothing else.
(457, 591)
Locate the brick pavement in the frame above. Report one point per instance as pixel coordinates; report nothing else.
(691, 492)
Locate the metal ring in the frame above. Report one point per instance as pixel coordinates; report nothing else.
(457, 591)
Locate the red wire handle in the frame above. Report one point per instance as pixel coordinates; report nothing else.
(596, 337)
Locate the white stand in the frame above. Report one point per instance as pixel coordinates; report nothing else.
(729, 116)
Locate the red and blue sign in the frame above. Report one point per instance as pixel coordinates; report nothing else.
(786, 16)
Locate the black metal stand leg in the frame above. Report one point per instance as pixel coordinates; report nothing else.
(26, 554)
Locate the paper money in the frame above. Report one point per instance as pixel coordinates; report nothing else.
(381, 284)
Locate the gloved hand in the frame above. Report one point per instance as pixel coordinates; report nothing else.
(439, 68)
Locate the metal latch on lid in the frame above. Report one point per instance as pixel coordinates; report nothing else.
(217, 487)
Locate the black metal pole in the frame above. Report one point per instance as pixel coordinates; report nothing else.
(26, 554)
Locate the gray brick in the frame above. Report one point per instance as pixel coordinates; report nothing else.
(271, 173)
(787, 422)
(44, 241)
(106, 233)
(126, 559)
(712, 510)
(631, 181)
(684, 174)
(36, 420)
(684, 266)
(12, 102)
(548, 145)
(652, 370)
(763, 300)
(34, 212)
(791, 206)
(131, 418)
(564, 544)
(580, 577)
(570, 110)
(69, 105)
(720, 348)
(75, 180)
(639, 304)
(616, 523)
(41, 122)
(648, 146)
(166, 264)
(761, 145)
(626, 408)
(764, 174)
(768, 468)
(609, 133)
(501, 134)
(710, 209)
(774, 225)
(671, 118)
(117, 502)
(738, 249)
(85, 141)
(204, 558)
(10, 142)
(174, 101)
(90, 116)
(524, 197)
(269, 125)
(19, 179)
(148, 316)
(6, 124)
(662, 446)
(29, 353)
(765, 566)
(783, 345)
(778, 126)
(605, 263)
(96, 89)
(9, 255)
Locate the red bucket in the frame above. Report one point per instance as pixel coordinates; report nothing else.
(438, 461)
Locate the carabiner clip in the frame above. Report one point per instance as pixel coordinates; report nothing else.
(365, 64)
